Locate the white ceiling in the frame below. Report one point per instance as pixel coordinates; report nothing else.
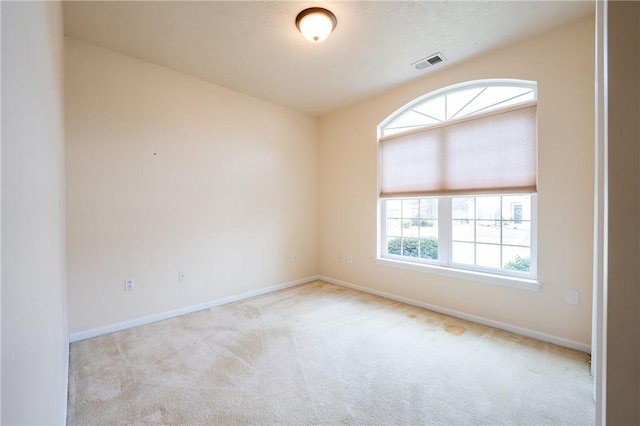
(255, 48)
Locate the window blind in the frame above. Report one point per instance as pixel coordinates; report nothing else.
(494, 152)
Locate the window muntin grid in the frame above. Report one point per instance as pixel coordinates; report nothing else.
(458, 102)
(488, 233)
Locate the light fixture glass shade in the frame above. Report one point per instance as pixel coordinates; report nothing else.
(316, 23)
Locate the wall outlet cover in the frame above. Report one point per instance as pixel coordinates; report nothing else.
(129, 284)
(572, 297)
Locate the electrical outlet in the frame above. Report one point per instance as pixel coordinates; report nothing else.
(572, 297)
(294, 258)
(349, 259)
(129, 284)
(182, 276)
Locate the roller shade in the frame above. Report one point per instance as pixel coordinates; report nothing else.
(490, 153)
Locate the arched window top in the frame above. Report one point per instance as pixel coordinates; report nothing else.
(458, 101)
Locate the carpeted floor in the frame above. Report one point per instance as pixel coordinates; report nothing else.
(323, 354)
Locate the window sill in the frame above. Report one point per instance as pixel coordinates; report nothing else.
(501, 280)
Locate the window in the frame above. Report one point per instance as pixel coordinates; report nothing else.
(489, 233)
(458, 179)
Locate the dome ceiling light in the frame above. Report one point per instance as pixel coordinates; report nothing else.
(316, 23)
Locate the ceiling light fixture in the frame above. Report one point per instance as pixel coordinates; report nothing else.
(316, 23)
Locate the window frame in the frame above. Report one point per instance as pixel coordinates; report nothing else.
(444, 265)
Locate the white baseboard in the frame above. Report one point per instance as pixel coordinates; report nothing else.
(82, 335)
(473, 318)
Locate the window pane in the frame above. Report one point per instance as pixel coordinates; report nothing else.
(409, 120)
(516, 258)
(463, 207)
(410, 247)
(394, 245)
(488, 207)
(410, 228)
(429, 248)
(463, 253)
(394, 227)
(410, 208)
(462, 230)
(525, 97)
(428, 228)
(516, 208)
(433, 108)
(517, 234)
(488, 231)
(394, 208)
(488, 255)
(429, 208)
(458, 99)
(495, 97)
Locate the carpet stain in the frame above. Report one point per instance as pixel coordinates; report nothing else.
(109, 385)
(412, 315)
(251, 312)
(456, 330)
(430, 321)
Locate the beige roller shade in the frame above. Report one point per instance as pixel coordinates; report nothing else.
(494, 152)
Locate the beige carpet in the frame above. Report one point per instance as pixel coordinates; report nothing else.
(323, 354)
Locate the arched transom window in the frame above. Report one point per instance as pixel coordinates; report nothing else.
(459, 101)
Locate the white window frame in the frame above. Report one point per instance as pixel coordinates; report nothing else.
(444, 266)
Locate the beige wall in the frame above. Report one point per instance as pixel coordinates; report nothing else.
(0, 221)
(167, 173)
(623, 188)
(562, 63)
(34, 330)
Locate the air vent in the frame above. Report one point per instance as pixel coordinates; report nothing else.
(429, 61)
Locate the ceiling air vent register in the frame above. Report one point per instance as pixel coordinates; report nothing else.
(429, 61)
